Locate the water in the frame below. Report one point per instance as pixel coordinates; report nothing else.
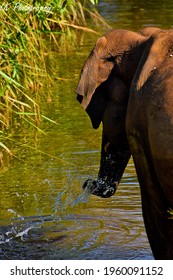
(43, 212)
(70, 224)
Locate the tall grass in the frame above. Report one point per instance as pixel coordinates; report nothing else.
(26, 27)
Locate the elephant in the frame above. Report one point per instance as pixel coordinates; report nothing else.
(126, 84)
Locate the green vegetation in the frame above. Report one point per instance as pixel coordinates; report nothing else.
(26, 28)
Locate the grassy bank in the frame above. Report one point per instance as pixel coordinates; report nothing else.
(26, 29)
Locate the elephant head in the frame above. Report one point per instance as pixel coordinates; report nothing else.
(103, 91)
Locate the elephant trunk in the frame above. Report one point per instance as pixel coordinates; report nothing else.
(112, 165)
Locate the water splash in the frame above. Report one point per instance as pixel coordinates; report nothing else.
(67, 199)
(82, 198)
(25, 232)
(23, 229)
(18, 229)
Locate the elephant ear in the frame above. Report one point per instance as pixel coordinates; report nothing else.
(95, 72)
(150, 60)
(96, 106)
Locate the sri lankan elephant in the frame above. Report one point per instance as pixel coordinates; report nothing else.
(127, 84)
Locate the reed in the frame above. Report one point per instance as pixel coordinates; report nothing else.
(26, 27)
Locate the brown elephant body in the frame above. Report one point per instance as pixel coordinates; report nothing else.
(149, 129)
(127, 83)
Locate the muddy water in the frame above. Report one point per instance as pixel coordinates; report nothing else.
(43, 212)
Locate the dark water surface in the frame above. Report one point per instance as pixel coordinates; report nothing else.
(43, 212)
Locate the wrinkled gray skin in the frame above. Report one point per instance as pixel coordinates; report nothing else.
(126, 83)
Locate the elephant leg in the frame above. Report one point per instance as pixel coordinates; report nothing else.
(158, 224)
(157, 219)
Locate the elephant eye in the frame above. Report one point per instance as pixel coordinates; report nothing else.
(110, 59)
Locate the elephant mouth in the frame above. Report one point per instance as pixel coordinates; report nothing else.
(100, 187)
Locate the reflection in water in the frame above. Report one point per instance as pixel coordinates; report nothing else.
(43, 212)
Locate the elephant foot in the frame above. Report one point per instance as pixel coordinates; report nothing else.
(100, 187)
